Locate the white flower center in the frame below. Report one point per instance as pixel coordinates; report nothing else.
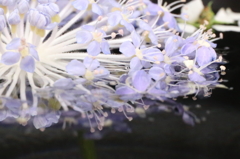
(139, 53)
(97, 36)
(89, 75)
(203, 43)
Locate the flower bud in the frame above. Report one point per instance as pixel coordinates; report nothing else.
(2, 23)
(14, 18)
(50, 9)
(23, 6)
(38, 19)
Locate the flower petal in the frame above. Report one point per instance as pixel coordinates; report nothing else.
(89, 28)
(90, 63)
(64, 83)
(153, 38)
(195, 77)
(33, 52)
(189, 48)
(83, 37)
(124, 90)
(127, 25)
(172, 23)
(14, 44)
(10, 58)
(205, 55)
(127, 93)
(143, 25)
(52, 117)
(96, 9)
(127, 49)
(141, 80)
(94, 48)
(80, 4)
(105, 47)
(153, 54)
(172, 44)
(84, 106)
(75, 67)
(40, 122)
(28, 64)
(114, 18)
(135, 39)
(135, 64)
(3, 115)
(157, 73)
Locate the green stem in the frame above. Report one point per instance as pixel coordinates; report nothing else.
(87, 147)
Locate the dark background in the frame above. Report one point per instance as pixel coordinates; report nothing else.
(160, 136)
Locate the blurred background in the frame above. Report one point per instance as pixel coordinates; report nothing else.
(159, 136)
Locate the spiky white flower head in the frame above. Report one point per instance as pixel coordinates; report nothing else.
(88, 55)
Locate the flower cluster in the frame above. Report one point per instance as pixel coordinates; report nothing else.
(92, 57)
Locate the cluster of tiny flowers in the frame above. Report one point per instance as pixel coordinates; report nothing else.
(94, 57)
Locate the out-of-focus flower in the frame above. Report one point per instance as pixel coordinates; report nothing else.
(227, 16)
(224, 20)
(193, 9)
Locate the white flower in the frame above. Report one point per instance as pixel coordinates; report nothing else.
(223, 16)
(225, 28)
(229, 17)
(193, 9)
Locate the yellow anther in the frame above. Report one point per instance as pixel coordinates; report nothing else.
(40, 32)
(4, 9)
(22, 16)
(14, 29)
(23, 121)
(89, 75)
(203, 43)
(139, 53)
(33, 28)
(115, 9)
(24, 51)
(56, 19)
(97, 36)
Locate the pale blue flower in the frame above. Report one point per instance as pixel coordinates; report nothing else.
(95, 40)
(89, 69)
(27, 56)
(84, 4)
(116, 18)
(11, 108)
(46, 119)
